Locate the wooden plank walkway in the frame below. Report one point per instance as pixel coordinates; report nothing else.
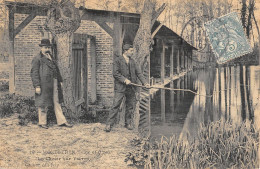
(167, 80)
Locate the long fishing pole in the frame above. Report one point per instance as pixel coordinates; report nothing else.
(167, 88)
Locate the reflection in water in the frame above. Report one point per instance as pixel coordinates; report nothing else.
(235, 91)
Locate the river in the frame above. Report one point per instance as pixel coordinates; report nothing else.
(232, 93)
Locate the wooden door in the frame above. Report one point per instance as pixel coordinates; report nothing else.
(80, 71)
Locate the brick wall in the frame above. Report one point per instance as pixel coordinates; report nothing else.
(26, 47)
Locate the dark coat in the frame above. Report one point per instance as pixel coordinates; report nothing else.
(42, 73)
(123, 71)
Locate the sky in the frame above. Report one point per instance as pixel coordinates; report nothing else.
(96, 4)
(113, 4)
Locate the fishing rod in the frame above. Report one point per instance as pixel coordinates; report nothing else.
(171, 89)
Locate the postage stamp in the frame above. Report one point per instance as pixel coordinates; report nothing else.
(227, 37)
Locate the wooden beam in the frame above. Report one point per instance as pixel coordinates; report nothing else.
(186, 81)
(106, 28)
(171, 60)
(26, 8)
(156, 30)
(178, 100)
(182, 86)
(191, 60)
(163, 105)
(97, 17)
(187, 62)
(25, 23)
(182, 58)
(85, 72)
(185, 59)
(172, 97)
(163, 63)
(11, 54)
(178, 61)
(93, 70)
(117, 33)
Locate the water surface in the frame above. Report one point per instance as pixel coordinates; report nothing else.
(235, 96)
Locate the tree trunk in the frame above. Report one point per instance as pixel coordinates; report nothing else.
(65, 62)
(258, 32)
(143, 37)
(243, 13)
(62, 20)
(142, 45)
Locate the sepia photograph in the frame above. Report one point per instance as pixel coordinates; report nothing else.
(129, 84)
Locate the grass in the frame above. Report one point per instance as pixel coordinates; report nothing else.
(24, 106)
(220, 144)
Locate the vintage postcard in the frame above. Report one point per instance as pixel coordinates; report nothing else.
(117, 84)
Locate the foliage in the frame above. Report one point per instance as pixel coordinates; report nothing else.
(220, 144)
(4, 85)
(139, 155)
(24, 106)
(226, 145)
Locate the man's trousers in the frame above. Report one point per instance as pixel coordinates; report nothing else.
(130, 103)
(42, 112)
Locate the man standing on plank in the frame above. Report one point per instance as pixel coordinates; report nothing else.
(125, 72)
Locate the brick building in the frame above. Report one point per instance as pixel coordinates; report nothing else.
(26, 47)
(105, 32)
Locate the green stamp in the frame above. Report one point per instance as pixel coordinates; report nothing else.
(227, 38)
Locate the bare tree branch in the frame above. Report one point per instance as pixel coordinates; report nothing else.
(158, 12)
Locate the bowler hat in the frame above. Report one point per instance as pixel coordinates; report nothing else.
(127, 46)
(45, 42)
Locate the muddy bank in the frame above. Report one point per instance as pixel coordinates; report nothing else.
(83, 146)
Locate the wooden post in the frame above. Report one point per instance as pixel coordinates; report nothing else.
(188, 64)
(117, 46)
(172, 97)
(186, 81)
(163, 63)
(171, 60)
(219, 88)
(178, 61)
(182, 86)
(93, 70)
(191, 60)
(182, 59)
(162, 82)
(178, 92)
(188, 60)
(117, 40)
(163, 105)
(11, 56)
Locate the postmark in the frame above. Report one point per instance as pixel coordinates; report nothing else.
(227, 38)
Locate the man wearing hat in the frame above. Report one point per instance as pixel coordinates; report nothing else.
(47, 81)
(125, 72)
